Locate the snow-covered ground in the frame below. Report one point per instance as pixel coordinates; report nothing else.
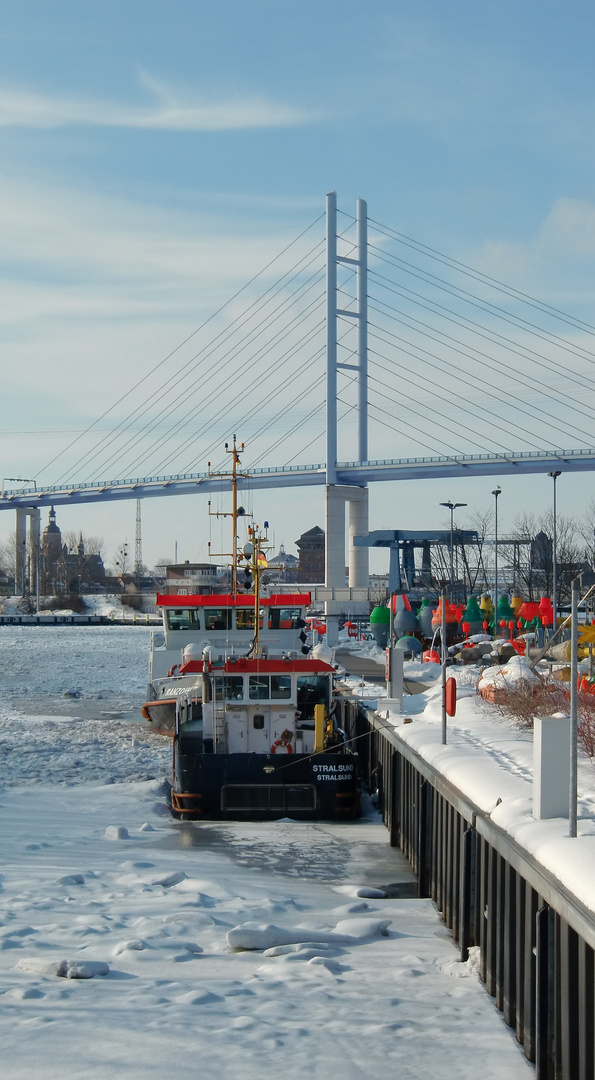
(218, 950)
(109, 604)
(491, 762)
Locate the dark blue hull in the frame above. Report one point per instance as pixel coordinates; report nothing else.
(309, 787)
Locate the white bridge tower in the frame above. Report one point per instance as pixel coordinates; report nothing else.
(337, 495)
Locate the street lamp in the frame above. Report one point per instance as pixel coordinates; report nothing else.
(554, 476)
(497, 491)
(452, 507)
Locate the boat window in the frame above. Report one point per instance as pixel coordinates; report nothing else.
(312, 690)
(229, 688)
(258, 721)
(182, 619)
(280, 686)
(244, 618)
(259, 689)
(217, 619)
(285, 618)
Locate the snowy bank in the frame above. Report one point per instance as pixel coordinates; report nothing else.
(490, 762)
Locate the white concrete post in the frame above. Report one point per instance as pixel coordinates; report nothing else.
(336, 497)
(394, 682)
(334, 556)
(359, 558)
(20, 551)
(551, 748)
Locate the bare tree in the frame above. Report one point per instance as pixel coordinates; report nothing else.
(122, 562)
(7, 557)
(569, 552)
(378, 596)
(531, 554)
(586, 531)
(520, 554)
(473, 556)
(93, 545)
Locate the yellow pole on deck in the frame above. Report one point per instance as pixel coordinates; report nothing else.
(319, 727)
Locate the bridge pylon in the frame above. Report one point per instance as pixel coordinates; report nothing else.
(337, 495)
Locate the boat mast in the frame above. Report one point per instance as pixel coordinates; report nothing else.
(258, 559)
(236, 511)
(235, 461)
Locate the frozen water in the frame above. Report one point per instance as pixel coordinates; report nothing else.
(348, 986)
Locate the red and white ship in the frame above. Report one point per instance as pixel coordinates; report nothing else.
(248, 705)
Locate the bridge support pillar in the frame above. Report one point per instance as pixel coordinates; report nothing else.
(394, 568)
(336, 497)
(26, 562)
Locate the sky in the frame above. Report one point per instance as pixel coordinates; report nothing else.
(156, 158)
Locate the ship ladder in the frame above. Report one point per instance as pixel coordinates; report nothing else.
(219, 728)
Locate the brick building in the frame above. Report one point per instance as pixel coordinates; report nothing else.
(311, 555)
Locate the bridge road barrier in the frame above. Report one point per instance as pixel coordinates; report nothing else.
(536, 940)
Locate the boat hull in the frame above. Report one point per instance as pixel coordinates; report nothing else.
(161, 715)
(264, 786)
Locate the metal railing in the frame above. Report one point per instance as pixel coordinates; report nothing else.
(281, 470)
(536, 940)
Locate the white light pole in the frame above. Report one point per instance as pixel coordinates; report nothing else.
(554, 476)
(572, 814)
(452, 507)
(496, 492)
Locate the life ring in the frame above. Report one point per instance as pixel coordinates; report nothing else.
(284, 741)
(172, 671)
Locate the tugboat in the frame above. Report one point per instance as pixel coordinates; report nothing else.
(248, 704)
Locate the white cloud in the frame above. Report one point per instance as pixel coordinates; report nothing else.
(556, 264)
(170, 111)
(75, 235)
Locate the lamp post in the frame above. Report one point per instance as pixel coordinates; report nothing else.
(452, 507)
(554, 476)
(496, 492)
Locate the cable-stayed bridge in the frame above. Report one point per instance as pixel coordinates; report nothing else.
(379, 356)
(356, 347)
(347, 472)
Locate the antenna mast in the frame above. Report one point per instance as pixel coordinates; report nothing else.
(236, 511)
(138, 546)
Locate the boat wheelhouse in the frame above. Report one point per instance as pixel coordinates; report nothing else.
(225, 624)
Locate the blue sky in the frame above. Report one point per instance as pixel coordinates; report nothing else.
(155, 156)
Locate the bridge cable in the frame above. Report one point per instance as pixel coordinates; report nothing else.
(124, 425)
(212, 316)
(469, 271)
(574, 404)
(475, 379)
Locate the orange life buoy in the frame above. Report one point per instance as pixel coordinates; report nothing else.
(279, 742)
(172, 670)
(284, 741)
